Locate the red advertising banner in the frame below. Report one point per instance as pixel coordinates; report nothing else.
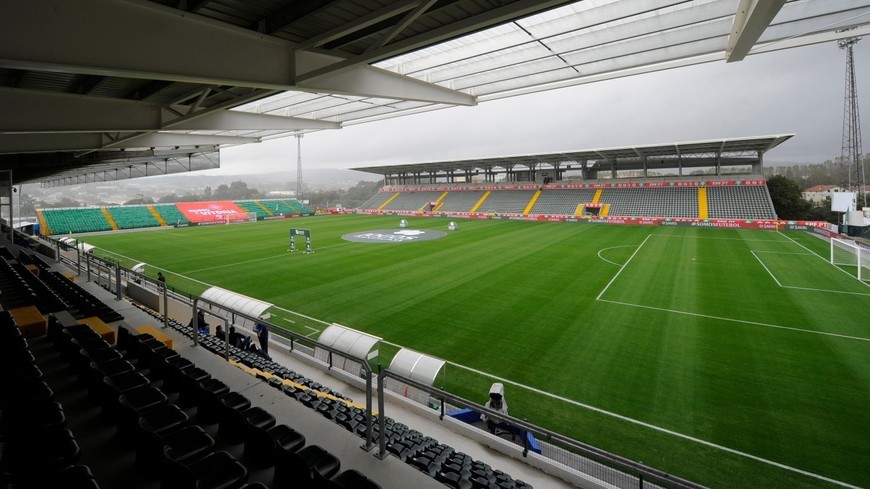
(596, 184)
(211, 211)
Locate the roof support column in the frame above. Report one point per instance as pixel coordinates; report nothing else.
(758, 167)
(613, 168)
(644, 160)
(718, 164)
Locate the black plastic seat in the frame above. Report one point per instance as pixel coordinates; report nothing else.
(216, 471)
(297, 469)
(187, 383)
(72, 477)
(51, 451)
(31, 419)
(231, 428)
(263, 447)
(114, 386)
(159, 362)
(153, 426)
(351, 479)
(208, 400)
(132, 405)
(187, 445)
(236, 424)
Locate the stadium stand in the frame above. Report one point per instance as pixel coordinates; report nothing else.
(652, 202)
(298, 207)
(739, 202)
(412, 201)
(279, 207)
(86, 220)
(250, 206)
(377, 200)
(460, 201)
(130, 217)
(507, 201)
(171, 214)
(562, 201)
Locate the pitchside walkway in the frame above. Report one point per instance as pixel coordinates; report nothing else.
(390, 472)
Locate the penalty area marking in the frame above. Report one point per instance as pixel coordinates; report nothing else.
(823, 258)
(647, 425)
(612, 248)
(742, 321)
(811, 289)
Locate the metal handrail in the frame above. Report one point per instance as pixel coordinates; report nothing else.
(369, 374)
(642, 472)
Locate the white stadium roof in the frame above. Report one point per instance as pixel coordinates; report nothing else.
(125, 88)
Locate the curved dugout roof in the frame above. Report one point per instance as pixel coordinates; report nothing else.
(126, 88)
(236, 302)
(348, 340)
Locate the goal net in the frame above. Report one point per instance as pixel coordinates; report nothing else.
(849, 254)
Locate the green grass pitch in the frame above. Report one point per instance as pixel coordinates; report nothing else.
(696, 351)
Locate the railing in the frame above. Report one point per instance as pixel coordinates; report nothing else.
(611, 468)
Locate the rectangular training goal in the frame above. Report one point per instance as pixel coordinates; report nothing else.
(848, 253)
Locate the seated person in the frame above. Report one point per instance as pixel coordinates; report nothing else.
(239, 340)
(496, 402)
(201, 324)
(219, 332)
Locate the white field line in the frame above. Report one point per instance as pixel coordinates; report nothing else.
(765, 267)
(236, 263)
(824, 290)
(742, 321)
(623, 267)
(795, 286)
(781, 252)
(210, 285)
(647, 425)
(612, 248)
(314, 330)
(721, 239)
(826, 260)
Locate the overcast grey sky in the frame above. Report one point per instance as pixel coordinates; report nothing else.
(796, 91)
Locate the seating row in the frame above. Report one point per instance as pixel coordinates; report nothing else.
(161, 402)
(440, 461)
(76, 300)
(37, 449)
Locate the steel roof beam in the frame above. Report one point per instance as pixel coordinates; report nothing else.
(42, 112)
(752, 18)
(40, 143)
(471, 24)
(368, 81)
(387, 12)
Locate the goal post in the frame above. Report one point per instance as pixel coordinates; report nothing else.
(845, 253)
